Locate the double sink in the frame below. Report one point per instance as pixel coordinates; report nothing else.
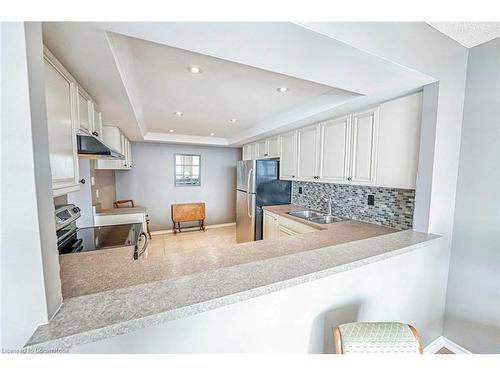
(316, 216)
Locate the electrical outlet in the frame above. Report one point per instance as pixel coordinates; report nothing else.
(92, 180)
(371, 199)
(97, 193)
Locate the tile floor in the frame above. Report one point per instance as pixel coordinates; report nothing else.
(211, 238)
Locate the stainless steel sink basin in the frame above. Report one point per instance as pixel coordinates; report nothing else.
(326, 219)
(306, 214)
(316, 217)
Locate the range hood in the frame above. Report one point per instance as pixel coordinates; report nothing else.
(90, 147)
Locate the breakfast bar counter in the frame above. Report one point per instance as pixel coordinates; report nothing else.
(112, 294)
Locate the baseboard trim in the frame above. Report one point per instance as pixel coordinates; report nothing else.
(167, 231)
(441, 341)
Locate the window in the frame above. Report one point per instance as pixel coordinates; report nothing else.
(187, 170)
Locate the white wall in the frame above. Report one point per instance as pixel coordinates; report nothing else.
(43, 174)
(24, 304)
(408, 288)
(150, 182)
(473, 299)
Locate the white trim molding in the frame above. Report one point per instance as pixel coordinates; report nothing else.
(192, 229)
(442, 341)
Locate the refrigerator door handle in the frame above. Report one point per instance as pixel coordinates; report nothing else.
(248, 194)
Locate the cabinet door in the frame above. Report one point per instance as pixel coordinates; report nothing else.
(333, 162)
(364, 147)
(129, 154)
(307, 150)
(288, 151)
(261, 149)
(61, 122)
(399, 142)
(85, 114)
(271, 227)
(97, 121)
(246, 152)
(273, 147)
(124, 150)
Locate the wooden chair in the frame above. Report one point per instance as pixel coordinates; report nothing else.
(118, 204)
(376, 338)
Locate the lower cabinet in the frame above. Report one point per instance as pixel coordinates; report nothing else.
(270, 226)
(276, 226)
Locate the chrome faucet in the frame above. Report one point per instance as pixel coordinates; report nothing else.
(330, 203)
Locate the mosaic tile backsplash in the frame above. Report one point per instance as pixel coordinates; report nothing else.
(392, 207)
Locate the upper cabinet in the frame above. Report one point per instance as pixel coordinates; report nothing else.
(364, 139)
(288, 151)
(307, 152)
(97, 122)
(85, 113)
(399, 142)
(273, 147)
(263, 149)
(60, 92)
(374, 147)
(334, 149)
(115, 139)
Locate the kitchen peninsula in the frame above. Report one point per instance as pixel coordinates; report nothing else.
(111, 294)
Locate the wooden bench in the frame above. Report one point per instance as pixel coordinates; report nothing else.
(182, 212)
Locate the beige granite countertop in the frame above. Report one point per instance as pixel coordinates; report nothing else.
(120, 211)
(98, 271)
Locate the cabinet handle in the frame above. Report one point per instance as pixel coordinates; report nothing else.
(293, 176)
(95, 133)
(82, 181)
(349, 178)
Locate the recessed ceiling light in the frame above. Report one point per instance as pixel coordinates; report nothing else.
(212, 134)
(282, 89)
(194, 69)
(234, 120)
(171, 130)
(178, 113)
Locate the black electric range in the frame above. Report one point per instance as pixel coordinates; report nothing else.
(71, 239)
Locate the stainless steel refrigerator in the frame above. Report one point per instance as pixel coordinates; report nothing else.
(258, 185)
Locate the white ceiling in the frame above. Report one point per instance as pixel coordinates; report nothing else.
(224, 90)
(137, 73)
(469, 34)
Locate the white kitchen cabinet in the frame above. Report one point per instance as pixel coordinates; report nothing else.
(114, 138)
(399, 142)
(97, 122)
(85, 112)
(288, 152)
(364, 142)
(275, 226)
(373, 147)
(250, 151)
(333, 159)
(307, 151)
(129, 154)
(246, 153)
(60, 91)
(270, 226)
(261, 148)
(273, 147)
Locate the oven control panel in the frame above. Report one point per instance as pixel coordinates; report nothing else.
(66, 214)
